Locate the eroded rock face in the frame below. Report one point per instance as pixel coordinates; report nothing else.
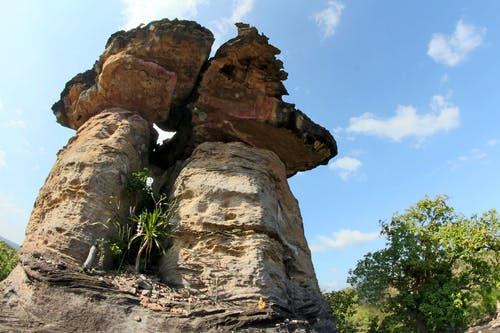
(239, 99)
(240, 234)
(151, 70)
(85, 185)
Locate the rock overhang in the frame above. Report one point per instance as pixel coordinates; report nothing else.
(151, 69)
(162, 71)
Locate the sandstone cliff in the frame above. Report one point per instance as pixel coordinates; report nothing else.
(236, 259)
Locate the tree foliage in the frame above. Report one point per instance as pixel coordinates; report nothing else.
(8, 259)
(343, 304)
(438, 270)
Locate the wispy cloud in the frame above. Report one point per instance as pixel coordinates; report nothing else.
(14, 123)
(144, 11)
(3, 160)
(329, 18)
(453, 49)
(221, 27)
(475, 155)
(327, 286)
(346, 167)
(343, 239)
(136, 12)
(492, 142)
(1, 105)
(408, 123)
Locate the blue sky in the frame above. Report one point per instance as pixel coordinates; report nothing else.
(409, 90)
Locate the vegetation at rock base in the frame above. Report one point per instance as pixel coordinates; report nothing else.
(143, 233)
(139, 182)
(344, 304)
(152, 228)
(439, 272)
(8, 259)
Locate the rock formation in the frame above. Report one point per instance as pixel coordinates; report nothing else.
(239, 99)
(237, 259)
(90, 171)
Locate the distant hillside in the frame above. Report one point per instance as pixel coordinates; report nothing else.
(10, 243)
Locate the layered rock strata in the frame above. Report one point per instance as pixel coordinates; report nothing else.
(239, 99)
(238, 256)
(234, 203)
(86, 184)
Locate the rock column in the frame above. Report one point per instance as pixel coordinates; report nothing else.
(85, 187)
(240, 235)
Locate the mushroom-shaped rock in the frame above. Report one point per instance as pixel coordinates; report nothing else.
(151, 69)
(239, 99)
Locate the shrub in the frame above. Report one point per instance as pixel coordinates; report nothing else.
(8, 259)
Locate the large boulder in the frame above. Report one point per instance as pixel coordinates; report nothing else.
(151, 69)
(239, 99)
(240, 234)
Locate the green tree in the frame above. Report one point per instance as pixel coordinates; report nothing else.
(343, 304)
(436, 271)
(8, 259)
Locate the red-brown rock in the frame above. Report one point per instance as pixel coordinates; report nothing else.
(239, 99)
(149, 69)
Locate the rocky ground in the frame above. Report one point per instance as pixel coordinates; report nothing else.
(491, 327)
(157, 296)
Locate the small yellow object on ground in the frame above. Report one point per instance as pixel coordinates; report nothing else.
(262, 303)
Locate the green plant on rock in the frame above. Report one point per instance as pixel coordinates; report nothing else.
(152, 228)
(143, 233)
(139, 182)
(119, 243)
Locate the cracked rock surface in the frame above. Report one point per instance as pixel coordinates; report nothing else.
(234, 203)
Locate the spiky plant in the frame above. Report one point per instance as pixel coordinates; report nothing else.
(152, 227)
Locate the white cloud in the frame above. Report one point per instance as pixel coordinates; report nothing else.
(345, 166)
(329, 18)
(15, 123)
(407, 122)
(241, 9)
(327, 286)
(344, 238)
(222, 26)
(1, 106)
(3, 161)
(453, 49)
(473, 156)
(144, 11)
(492, 142)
